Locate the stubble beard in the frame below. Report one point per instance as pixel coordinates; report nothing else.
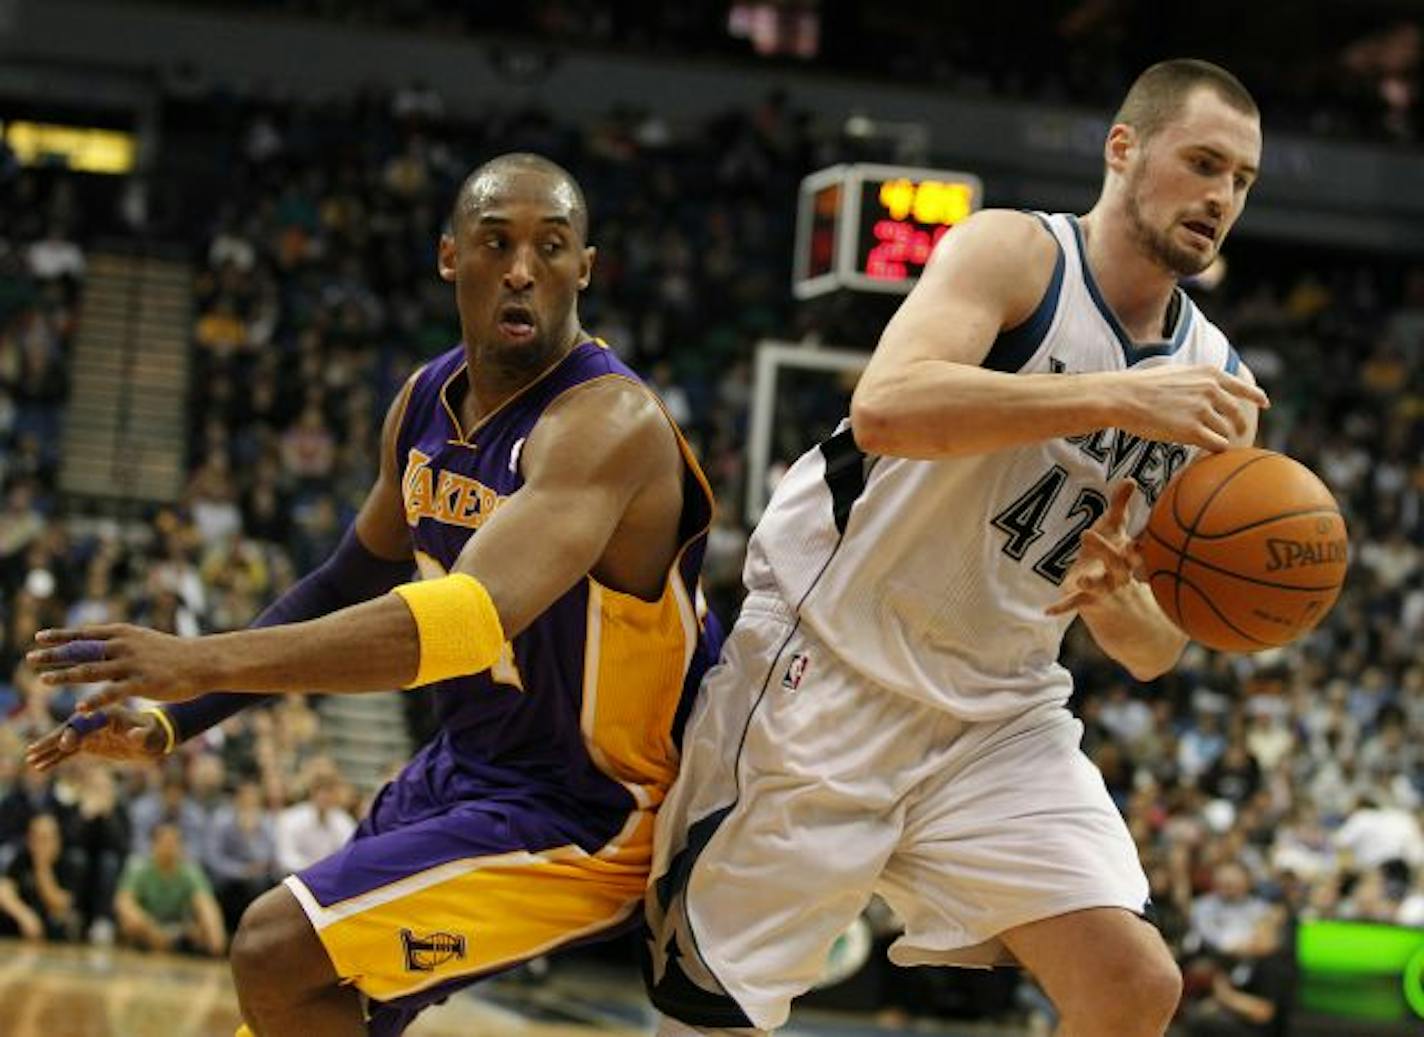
(1157, 245)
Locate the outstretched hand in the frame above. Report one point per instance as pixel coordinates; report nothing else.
(133, 660)
(1107, 560)
(111, 734)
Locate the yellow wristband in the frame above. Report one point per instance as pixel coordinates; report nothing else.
(167, 725)
(460, 631)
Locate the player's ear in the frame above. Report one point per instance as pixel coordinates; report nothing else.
(445, 261)
(586, 267)
(1118, 148)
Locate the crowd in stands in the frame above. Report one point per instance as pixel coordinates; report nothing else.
(1261, 789)
(1347, 70)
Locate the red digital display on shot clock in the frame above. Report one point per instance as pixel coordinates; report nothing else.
(901, 221)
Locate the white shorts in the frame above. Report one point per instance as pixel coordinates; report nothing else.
(804, 790)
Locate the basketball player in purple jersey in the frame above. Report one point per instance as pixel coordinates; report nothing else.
(558, 521)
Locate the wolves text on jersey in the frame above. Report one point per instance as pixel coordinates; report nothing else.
(445, 496)
(1147, 462)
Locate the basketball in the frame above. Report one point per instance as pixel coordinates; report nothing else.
(1245, 550)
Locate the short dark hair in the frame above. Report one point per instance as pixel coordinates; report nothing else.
(517, 162)
(1159, 93)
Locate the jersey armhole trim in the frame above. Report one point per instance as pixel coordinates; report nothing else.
(407, 391)
(1233, 359)
(1013, 348)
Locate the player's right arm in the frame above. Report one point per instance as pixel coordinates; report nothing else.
(602, 449)
(926, 395)
(374, 556)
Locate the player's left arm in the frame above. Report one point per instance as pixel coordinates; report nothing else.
(587, 459)
(1102, 585)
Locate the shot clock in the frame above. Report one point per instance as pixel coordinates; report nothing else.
(872, 227)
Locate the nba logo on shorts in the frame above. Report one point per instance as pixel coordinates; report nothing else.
(796, 671)
(427, 953)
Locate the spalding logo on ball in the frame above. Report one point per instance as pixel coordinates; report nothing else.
(1245, 550)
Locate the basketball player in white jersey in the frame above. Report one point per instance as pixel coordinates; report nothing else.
(889, 715)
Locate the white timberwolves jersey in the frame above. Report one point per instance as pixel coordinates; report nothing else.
(931, 577)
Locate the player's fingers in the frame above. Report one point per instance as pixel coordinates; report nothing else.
(47, 740)
(44, 760)
(1111, 569)
(1210, 433)
(70, 653)
(1071, 603)
(79, 726)
(1104, 583)
(1097, 547)
(89, 673)
(106, 696)
(63, 635)
(1136, 563)
(50, 749)
(1245, 390)
(1218, 422)
(1121, 498)
(67, 745)
(1233, 411)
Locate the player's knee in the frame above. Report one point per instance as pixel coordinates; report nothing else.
(1143, 1000)
(1135, 997)
(276, 950)
(1158, 989)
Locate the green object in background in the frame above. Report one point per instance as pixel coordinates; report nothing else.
(1362, 970)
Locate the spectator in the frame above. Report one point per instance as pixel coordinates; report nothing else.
(1225, 921)
(1303, 845)
(99, 834)
(1235, 775)
(167, 804)
(1389, 754)
(31, 795)
(1377, 833)
(1201, 745)
(1254, 996)
(1126, 716)
(37, 892)
(164, 902)
(242, 853)
(207, 779)
(316, 828)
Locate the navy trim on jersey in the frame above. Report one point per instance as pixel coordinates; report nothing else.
(845, 475)
(1132, 352)
(1016, 346)
(681, 999)
(1233, 360)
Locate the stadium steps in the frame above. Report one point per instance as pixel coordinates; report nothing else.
(365, 735)
(125, 424)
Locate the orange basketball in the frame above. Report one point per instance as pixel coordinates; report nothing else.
(1245, 550)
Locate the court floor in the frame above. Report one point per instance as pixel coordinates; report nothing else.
(76, 991)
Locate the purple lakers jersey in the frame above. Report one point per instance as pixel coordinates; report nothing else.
(586, 704)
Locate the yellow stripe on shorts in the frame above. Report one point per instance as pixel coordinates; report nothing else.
(470, 916)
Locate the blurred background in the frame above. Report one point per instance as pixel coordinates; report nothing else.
(217, 241)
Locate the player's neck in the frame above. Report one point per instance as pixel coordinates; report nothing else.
(1138, 289)
(495, 379)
